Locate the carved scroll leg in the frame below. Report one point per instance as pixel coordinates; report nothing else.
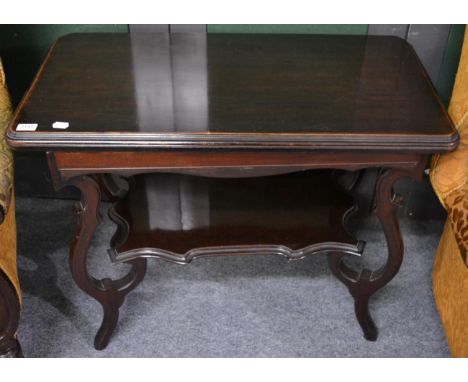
(109, 293)
(362, 285)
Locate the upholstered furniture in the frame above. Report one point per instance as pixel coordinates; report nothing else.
(10, 293)
(449, 177)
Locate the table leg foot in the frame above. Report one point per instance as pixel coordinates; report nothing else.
(361, 308)
(109, 293)
(362, 285)
(361, 288)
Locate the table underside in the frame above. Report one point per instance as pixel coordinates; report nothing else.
(180, 217)
(185, 206)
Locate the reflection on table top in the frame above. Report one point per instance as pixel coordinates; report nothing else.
(198, 89)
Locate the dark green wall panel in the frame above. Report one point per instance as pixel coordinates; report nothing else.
(289, 28)
(449, 67)
(23, 48)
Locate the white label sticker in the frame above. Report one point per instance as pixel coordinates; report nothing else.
(26, 127)
(60, 125)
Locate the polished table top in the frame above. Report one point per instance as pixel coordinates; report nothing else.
(194, 123)
(227, 90)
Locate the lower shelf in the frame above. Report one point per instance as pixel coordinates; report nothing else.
(180, 217)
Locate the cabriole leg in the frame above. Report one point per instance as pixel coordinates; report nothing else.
(109, 293)
(362, 285)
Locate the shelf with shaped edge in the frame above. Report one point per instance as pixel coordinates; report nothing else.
(181, 217)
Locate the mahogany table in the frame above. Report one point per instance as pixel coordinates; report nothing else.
(213, 145)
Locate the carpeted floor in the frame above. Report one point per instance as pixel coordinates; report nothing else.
(225, 307)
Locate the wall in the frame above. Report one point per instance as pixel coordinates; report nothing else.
(23, 47)
(444, 84)
(289, 28)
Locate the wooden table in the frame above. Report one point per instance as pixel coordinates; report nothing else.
(213, 145)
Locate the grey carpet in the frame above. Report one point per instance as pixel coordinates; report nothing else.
(225, 307)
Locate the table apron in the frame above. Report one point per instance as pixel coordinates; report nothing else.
(222, 164)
